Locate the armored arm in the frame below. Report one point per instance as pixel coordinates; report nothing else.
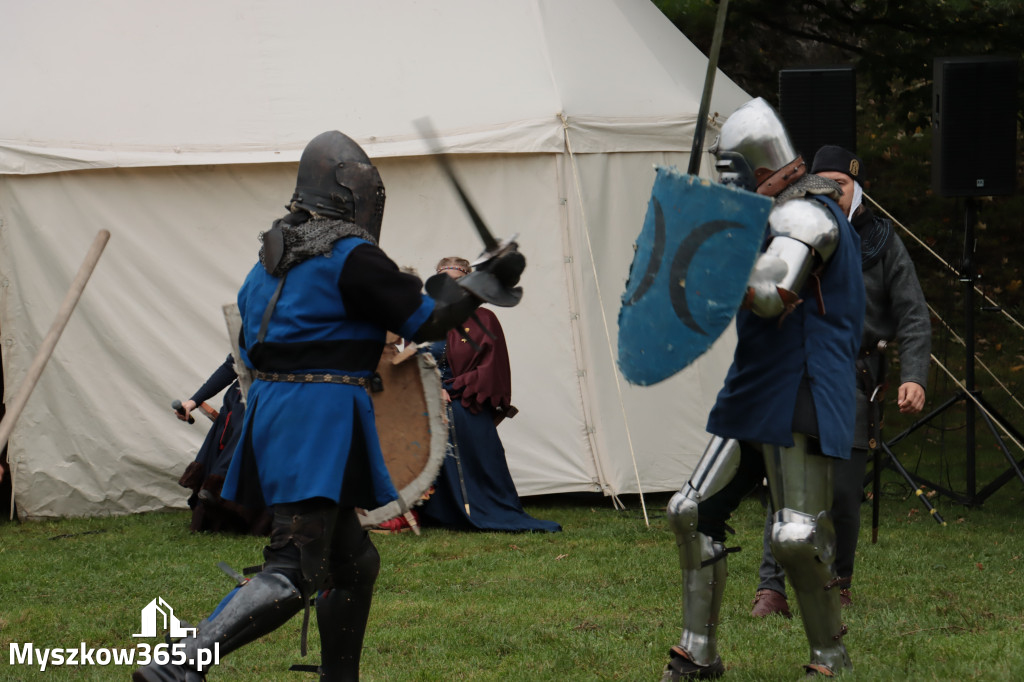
(453, 305)
(804, 235)
(455, 300)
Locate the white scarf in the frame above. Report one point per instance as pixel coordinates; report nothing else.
(858, 194)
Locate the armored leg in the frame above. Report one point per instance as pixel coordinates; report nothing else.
(256, 608)
(848, 494)
(702, 562)
(296, 565)
(703, 588)
(803, 541)
(343, 610)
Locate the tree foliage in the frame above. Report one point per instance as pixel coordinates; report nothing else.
(892, 44)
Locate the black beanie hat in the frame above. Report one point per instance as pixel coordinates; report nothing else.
(834, 158)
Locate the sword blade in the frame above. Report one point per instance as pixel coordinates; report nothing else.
(709, 84)
(430, 136)
(238, 577)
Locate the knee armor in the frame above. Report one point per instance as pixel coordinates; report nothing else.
(805, 546)
(798, 537)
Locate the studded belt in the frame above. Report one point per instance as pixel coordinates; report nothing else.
(312, 378)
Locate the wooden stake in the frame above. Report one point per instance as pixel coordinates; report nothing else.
(17, 404)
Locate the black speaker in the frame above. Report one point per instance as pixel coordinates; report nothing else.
(974, 126)
(819, 107)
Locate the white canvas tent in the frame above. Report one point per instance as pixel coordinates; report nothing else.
(178, 126)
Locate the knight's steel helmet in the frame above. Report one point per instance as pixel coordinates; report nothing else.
(337, 180)
(755, 132)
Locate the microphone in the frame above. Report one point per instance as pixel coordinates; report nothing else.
(177, 407)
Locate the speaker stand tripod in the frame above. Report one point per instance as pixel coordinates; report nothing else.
(970, 398)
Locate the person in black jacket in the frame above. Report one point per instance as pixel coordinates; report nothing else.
(895, 311)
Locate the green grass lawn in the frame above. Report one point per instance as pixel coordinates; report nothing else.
(599, 601)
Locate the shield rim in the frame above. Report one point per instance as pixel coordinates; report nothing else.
(412, 493)
(233, 320)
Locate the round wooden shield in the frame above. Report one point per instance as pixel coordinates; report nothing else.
(413, 437)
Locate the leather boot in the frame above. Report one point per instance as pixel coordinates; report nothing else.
(766, 602)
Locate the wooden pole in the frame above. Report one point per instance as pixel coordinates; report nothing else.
(17, 404)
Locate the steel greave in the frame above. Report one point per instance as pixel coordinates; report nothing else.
(703, 588)
(702, 560)
(803, 542)
(261, 605)
(805, 546)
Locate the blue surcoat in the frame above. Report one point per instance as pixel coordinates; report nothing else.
(298, 438)
(759, 397)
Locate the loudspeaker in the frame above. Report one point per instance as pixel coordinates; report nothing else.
(819, 107)
(974, 126)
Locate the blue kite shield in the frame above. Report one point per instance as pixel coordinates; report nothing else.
(689, 274)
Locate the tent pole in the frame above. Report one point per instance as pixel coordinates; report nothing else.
(17, 404)
(608, 338)
(709, 84)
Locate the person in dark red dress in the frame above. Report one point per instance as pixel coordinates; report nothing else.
(477, 378)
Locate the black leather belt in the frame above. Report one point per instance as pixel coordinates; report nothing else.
(312, 378)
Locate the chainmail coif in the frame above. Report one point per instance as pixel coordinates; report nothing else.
(810, 184)
(314, 237)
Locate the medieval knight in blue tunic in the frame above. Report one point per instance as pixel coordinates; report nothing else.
(786, 411)
(315, 311)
